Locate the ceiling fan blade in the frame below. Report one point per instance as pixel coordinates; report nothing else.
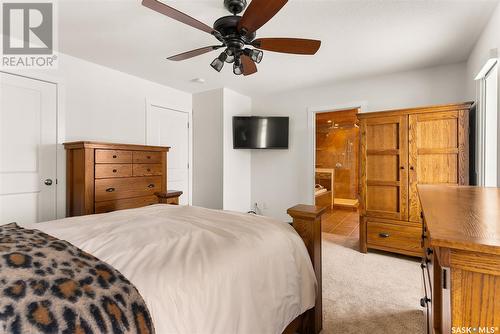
(288, 45)
(258, 13)
(249, 66)
(193, 53)
(177, 15)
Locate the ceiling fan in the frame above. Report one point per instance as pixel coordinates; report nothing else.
(237, 32)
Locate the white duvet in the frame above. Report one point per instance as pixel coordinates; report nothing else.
(201, 270)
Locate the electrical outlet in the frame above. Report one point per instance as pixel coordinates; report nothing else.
(259, 207)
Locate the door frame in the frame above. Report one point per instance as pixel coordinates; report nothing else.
(154, 102)
(481, 80)
(60, 131)
(362, 106)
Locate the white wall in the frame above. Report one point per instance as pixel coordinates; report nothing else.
(237, 163)
(208, 149)
(280, 177)
(104, 104)
(101, 104)
(221, 174)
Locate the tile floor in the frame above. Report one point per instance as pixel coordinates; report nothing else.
(341, 222)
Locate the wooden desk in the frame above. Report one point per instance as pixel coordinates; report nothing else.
(461, 238)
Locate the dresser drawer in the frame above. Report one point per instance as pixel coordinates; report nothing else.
(394, 237)
(103, 171)
(122, 204)
(118, 188)
(144, 157)
(113, 156)
(147, 169)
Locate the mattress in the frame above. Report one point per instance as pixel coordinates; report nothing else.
(201, 270)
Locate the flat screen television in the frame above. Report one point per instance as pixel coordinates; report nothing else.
(252, 132)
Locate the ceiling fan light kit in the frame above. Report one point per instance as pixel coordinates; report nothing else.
(238, 67)
(255, 55)
(236, 32)
(218, 62)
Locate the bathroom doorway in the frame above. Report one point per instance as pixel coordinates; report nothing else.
(337, 170)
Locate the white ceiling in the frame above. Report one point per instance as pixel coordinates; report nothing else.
(359, 38)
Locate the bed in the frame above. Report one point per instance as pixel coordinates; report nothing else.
(209, 271)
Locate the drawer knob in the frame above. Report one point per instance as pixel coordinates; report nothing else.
(149, 169)
(114, 157)
(148, 157)
(384, 235)
(402, 167)
(110, 190)
(114, 171)
(151, 185)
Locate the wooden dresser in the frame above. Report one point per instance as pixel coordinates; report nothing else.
(400, 149)
(461, 263)
(103, 177)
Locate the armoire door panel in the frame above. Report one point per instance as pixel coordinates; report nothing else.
(382, 167)
(437, 168)
(382, 136)
(437, 133)
(383, 199)
(435, 141)
(384, 177)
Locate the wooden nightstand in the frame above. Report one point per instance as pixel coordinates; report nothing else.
(169, 197)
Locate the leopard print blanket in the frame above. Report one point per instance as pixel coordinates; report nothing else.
(48, 285)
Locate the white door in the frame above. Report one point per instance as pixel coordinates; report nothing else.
(167, 127)
(28, 144)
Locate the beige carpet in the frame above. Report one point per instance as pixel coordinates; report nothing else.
(369, 293)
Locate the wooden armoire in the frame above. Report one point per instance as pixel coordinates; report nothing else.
(400, 149)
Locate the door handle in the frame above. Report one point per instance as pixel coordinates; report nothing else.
(48, 182)
(384, 235)
(424, 301)
(110, 190)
